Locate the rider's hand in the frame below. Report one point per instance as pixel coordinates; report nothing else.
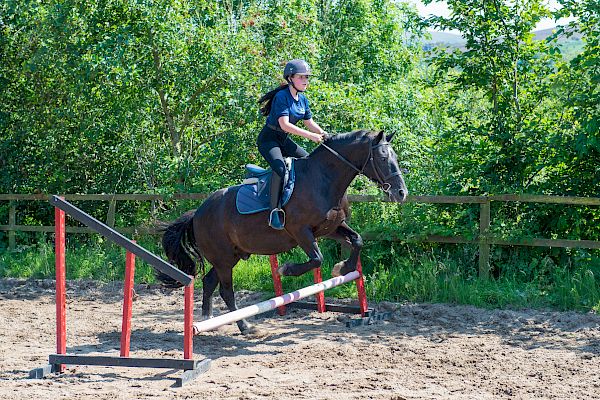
(317, 138)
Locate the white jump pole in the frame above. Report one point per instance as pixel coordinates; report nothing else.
(275, 302)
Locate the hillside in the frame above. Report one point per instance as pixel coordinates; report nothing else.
(570, 46)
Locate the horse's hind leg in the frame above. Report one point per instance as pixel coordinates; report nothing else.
(226, 290)
(209, 284)
(344, 234)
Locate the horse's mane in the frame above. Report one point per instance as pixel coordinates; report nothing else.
(343, 139)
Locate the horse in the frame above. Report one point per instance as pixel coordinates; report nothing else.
(318, 207)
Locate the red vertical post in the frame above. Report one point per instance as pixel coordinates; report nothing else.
(127, 300)
(61, 295)
(360, 287)
(188, 322)
(276, 281)
(320, 297)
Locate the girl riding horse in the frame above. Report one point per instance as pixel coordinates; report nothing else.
(284, 107)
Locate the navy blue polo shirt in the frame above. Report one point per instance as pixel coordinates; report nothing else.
(285, 104)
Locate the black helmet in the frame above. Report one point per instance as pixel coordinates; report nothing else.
(296, 67)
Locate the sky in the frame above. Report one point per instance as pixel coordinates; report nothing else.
(441, 9)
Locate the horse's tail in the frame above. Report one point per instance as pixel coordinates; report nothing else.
(181, 249)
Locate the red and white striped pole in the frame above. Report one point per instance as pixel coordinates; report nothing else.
(319, 297)
(273, 303)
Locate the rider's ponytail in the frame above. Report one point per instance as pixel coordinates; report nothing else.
(267, 100)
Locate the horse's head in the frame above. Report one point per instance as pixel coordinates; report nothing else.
(382, 168)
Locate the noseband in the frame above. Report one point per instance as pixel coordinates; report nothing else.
(381, 181)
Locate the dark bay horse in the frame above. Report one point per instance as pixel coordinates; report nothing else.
(318, 207)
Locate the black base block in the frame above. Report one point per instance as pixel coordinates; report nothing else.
(308, 305)
(370, 320)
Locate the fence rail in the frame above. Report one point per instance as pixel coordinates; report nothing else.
(484, 239)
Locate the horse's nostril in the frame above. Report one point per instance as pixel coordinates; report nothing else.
(402, 195)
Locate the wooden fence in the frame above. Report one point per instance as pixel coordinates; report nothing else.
(484, 239)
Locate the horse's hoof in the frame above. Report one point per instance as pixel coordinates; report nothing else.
(281, 270)
(253, 331)
(337, 268)
(342, 268)
(248, 329)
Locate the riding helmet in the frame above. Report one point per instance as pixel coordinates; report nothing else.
(296, 66)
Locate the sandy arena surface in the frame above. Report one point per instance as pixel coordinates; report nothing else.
(426, 351)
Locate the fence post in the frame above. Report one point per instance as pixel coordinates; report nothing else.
(484, 245)
(12, 222)
(110, 218)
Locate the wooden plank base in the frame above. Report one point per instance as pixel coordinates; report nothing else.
(167, 363)
(192, 368)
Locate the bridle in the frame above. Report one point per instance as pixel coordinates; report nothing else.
(381, 181)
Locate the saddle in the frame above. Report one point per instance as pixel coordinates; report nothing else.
(253, 195)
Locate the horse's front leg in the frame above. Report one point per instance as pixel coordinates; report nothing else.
(346, 235)
(307, 241)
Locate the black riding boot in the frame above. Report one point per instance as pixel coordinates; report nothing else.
(276, 213)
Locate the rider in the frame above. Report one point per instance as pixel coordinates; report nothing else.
(284, 107)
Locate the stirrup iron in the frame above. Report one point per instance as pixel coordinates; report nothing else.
(276, 212)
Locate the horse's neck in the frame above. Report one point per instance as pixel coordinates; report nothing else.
(333, 172)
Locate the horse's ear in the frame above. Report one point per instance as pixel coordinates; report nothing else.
(390, 137)
(380, 137)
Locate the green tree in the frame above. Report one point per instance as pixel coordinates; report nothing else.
(367, 41)
(498, 87)
(578, 91)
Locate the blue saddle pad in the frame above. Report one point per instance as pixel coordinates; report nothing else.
(254, 197)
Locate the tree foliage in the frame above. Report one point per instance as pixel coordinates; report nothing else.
(161, 96)
(516, 117)
(136, 96)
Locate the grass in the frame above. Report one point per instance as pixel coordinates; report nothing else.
(392, 273)
(98, 260)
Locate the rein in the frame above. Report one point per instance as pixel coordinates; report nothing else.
(385, 186)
